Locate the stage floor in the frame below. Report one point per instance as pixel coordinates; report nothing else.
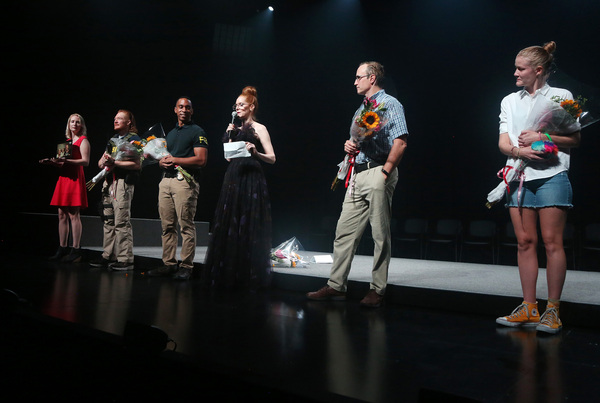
(581, 287)
(434, 339)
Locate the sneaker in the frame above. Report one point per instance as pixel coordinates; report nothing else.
(183, 274)
(372, 299)
(61, 252)
(326, 294)
(525, 315)
(74, 257)
(101, 262)
(121, 266)
(163, 271)
(550, 322)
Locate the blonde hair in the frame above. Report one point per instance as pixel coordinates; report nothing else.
(375, 68)
(83, 126)
(540, 56)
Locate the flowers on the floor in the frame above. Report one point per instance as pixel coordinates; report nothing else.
(369, 121)
(286, 254)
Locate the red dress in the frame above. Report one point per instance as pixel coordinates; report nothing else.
(70, 188)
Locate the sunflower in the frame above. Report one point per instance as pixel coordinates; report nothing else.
(370, 120)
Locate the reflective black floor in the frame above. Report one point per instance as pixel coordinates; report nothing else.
(66, 337)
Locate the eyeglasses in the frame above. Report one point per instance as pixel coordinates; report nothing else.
(359, 77)
(240, 105)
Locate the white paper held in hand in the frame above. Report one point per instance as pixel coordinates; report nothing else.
(236, 149)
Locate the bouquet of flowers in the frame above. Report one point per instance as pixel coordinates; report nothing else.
(156, 149)
(121, 150)
(285, 255)
(546, 116)
(573, 107)
(140, 144)
(549, 149)
(368, 122)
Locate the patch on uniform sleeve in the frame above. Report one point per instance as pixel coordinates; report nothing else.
(203, 140)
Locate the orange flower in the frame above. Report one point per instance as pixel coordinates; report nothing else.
(370, 120)
(572, 107)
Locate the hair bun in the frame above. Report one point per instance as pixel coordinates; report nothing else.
(249, 90)
(550, 47)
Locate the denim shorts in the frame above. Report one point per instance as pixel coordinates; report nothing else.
(555, 191)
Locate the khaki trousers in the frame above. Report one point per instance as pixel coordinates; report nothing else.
(369, 201)
(177, 202)
(118, 234)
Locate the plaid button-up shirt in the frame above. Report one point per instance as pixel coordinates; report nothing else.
(379, 146)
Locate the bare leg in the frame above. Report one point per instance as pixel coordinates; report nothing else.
(63, 227)
(75, 218)
(525, 223)
(552, 225)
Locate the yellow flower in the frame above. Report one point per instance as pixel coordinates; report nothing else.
(370, 120)
(572, 107)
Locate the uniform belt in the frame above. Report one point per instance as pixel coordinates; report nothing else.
(170, 174)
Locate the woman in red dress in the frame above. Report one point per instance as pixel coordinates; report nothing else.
(70, 193)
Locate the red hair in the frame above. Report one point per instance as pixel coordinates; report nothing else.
(132, 126)
(249, 93)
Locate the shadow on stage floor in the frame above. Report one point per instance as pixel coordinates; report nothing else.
(88, 334)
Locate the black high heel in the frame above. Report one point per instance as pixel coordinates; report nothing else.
(61, 252)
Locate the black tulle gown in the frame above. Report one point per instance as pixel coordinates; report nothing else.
(240, 243)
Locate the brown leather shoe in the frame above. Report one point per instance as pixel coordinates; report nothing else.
(326, 294)
(372, 300)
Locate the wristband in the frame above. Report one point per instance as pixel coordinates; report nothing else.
(385, 172)
(547, 135)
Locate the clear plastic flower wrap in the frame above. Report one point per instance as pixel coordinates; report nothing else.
(368, 122)
(549, 149)
(123, 150)
(157, 149)
(546, 116)
(286, 254)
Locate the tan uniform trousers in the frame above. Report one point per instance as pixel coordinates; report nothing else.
(177, 202)
(369, 201)
(118, 234)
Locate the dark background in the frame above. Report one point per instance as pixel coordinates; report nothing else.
(450, 63)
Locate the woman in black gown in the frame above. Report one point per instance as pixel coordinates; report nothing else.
(239, 247)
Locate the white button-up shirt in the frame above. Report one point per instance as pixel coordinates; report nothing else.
(514, 116)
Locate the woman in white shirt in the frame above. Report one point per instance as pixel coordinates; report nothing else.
(546, 192)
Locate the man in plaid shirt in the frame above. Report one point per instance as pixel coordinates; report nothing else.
(369, 195)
